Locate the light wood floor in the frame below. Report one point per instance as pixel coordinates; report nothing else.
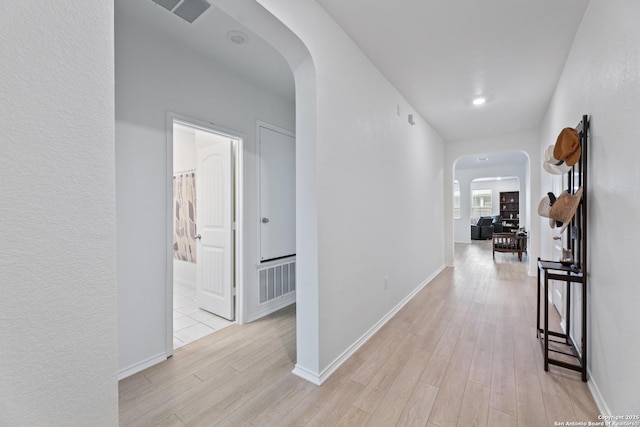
(462, 352)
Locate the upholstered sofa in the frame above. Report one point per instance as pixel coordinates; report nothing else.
(497, 224)
(483, 229)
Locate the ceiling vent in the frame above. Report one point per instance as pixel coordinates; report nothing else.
(188, 10)
(167, 4)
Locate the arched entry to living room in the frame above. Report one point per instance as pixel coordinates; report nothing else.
(488, 173)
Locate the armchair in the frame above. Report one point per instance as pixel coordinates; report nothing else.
(483, 228)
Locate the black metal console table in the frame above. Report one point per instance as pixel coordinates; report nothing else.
(570, 275)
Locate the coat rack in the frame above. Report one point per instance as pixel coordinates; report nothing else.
(566, 353)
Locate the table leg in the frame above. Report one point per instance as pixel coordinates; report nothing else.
(538, 307)
(567, 316)
(546, 322)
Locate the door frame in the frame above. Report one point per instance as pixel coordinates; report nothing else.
(237, 167)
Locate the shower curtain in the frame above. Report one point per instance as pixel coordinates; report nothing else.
(184, 224)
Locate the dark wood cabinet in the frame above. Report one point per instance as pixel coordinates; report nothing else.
(510, 210)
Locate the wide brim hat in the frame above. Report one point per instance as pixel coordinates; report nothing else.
(567, 146)
(544, 209)
(563, 209)
(552, 165)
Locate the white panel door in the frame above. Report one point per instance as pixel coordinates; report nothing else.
(214, 221)
(277, 152)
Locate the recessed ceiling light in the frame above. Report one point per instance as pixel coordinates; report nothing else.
(482, 159)
(479, 100)
(237, 37)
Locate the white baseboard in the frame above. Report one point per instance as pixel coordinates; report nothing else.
(141, 366)
(306, 374)
(333, 366)
(597, 396)
(272, 306)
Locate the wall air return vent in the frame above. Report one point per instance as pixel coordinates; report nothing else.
(277, 281)
(188, 10)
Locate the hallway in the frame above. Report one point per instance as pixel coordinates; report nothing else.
(462, 352)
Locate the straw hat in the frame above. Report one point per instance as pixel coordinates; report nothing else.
(562, 209)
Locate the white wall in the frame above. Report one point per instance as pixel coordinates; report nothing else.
(151, 80)
(375, 180)
(184, 149)
(602, 79)
(496, 187)
(57, 258)
(529, 175)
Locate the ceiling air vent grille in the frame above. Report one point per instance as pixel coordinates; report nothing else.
(167, 4)
(188, 10)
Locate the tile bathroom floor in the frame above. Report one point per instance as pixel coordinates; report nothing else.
(190, 323)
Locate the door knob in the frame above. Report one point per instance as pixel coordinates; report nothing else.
(197, 236)
(265, 220)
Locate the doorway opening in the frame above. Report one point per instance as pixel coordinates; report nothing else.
(204, 261)
(478, 182)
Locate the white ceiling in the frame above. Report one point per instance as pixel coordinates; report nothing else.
(257, 61)
(491, 160)
(441, 53)
(438, 53)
